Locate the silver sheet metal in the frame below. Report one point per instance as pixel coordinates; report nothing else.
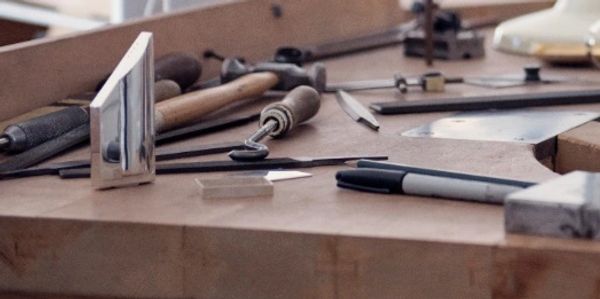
(122, 121)
(522, 126)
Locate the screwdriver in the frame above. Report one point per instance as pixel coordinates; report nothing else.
(30, 133)
(277, 119)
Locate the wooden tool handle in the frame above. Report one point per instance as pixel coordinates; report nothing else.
(185, 108)
(165, 89)
(299, 105)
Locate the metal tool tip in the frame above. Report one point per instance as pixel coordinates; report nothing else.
(370, 123)
(4, 142)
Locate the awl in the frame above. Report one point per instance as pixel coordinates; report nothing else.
(356, 111)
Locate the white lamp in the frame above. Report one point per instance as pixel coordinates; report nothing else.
(558, 34)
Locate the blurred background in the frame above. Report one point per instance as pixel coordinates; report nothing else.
(22, 20)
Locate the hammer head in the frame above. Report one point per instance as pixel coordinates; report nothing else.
(290, 75)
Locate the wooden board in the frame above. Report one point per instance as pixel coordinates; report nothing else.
(58, 67)
(16, 32)
(579, 149)
(55, 68)
(310, 239)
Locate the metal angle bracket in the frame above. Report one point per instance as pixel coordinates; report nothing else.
(122, 121)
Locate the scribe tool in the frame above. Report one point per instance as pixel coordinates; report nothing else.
(355, 110)
(81, 168)
(277, 119)
(214, 166)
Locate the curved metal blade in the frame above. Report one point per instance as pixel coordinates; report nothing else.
(356, 111)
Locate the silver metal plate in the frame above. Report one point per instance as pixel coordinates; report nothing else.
(523, 126)
(122, 121)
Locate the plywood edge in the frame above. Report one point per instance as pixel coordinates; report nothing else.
(579, 149)
(60, 257)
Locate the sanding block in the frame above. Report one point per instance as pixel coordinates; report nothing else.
(235, 187)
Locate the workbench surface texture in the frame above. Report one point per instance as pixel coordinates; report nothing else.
(311, 239)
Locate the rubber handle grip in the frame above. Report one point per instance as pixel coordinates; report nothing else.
(179, 67)
(299, 105)
(35, 131)
(184, 69)
(165, 89)
(191, 106)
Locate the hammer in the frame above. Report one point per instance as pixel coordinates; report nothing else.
(294, 75)
(241, 83)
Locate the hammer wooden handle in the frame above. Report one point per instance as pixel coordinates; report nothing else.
(186, 108)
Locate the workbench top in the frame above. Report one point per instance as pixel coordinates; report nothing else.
(311, 238)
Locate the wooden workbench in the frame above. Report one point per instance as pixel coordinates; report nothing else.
(311, 239)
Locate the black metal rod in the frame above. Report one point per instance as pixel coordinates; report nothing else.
(489, 102)
(47, 149)
(215, 166)
(429, 8)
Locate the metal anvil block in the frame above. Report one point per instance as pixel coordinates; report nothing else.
(568, 207)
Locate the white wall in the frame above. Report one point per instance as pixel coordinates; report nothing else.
(131, 9)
